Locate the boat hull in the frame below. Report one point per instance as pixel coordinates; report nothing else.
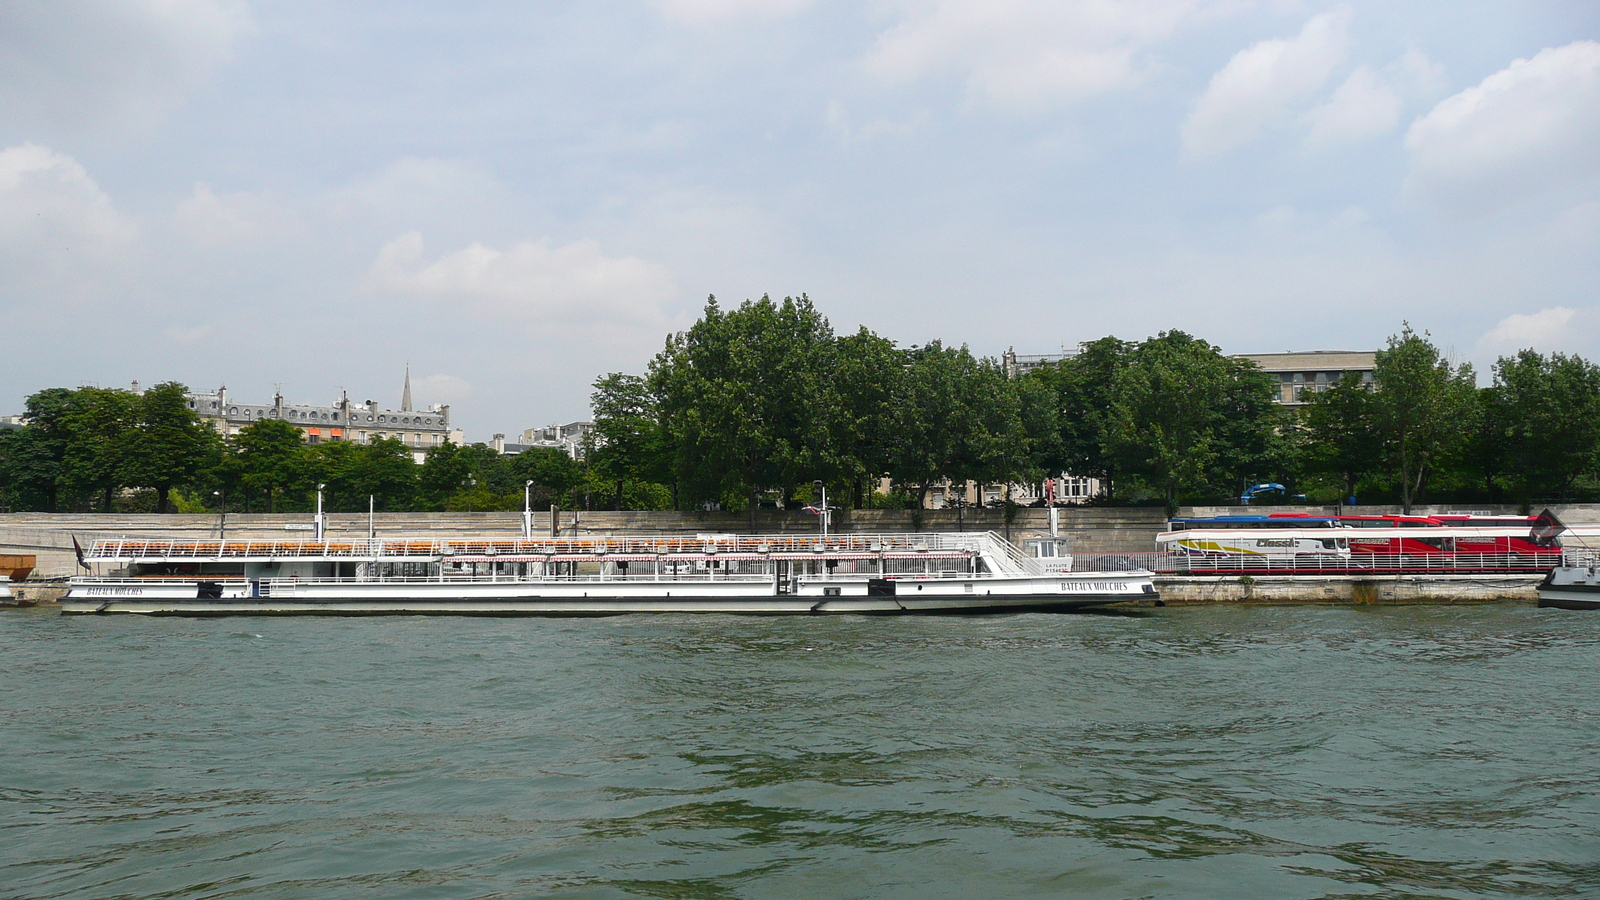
(580, 599)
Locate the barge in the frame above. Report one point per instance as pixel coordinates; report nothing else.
(773, 574)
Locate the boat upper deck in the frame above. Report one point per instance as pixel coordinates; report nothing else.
(1000, 553)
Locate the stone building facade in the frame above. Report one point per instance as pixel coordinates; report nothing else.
(419, 429)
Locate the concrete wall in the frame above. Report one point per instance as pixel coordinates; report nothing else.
(1345, 589)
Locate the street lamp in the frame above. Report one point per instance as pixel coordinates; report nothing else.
(222, 502)
(527, 510)
(321, 523)
(822, 489)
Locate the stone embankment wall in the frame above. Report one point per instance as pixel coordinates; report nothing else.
(1391, 589)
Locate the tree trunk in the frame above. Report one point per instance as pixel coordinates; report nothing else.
(1405, 479)
(107, 503)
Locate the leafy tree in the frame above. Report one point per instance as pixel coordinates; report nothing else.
(1082, 386)
(445, 472)
(1550, 407)
(1341, 431)
(745, 397)
(958, 418)
(1488, 443)
(548, 467)
(869, 380)
(270, 458)
(382, 469)
(34, 455)
(102, 423)
(1423, 407)
(1185, 417)
(171, 445)
(628, 444)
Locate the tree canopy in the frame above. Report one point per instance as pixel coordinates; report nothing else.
(752, 405)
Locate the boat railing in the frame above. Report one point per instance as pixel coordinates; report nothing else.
(1341, 564)
(599, 548)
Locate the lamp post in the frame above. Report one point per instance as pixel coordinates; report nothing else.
(822, 489)
(222, 503)
(527, 510)
(320, 522)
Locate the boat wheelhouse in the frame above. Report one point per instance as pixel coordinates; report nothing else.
(854, 573)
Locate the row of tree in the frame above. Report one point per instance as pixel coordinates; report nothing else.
(764, 400)
(754, 405)
(105, 449)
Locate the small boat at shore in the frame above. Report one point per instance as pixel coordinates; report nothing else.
(772, 574)
(1571, 587)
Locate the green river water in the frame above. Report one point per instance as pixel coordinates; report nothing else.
(1238, 752)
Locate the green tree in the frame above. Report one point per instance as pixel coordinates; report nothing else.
(1186, 418)
(745, 397)
(103, 424)
(1082, 388)
(270, 458)
(171, 446)
(868, 376)
(382, 469)
(1424, 407)
(1341, 430)
(628, 444)
(1488, 443)
(446, 472)
(959, 418)
(560, 476)
(1550, 412)
(36, 453)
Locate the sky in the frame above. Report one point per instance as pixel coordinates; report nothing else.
(517, 198)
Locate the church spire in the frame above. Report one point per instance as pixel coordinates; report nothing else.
(405, 398)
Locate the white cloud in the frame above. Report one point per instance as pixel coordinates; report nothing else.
(241, 217)
(1257, 87)
(1528, 130)
(109, 65)
(1364, 107)
(698, 11)
(441, 387)
(1545, 330)
(60, 235)
(531, 283)
(1022, 55)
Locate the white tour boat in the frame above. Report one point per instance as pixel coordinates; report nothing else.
(850, 573)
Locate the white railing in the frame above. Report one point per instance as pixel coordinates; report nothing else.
(1353, 564)
(126, 548)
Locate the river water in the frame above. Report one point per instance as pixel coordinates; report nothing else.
(1185, 752)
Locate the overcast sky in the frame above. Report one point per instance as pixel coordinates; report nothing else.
(520, 197)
